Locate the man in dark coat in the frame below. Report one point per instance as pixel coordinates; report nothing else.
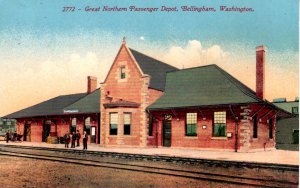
(7, 136)
(67, 139)
(85, 139)
(78, 137)
(73, 140)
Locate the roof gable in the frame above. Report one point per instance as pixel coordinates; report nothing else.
(203, 86)
(155, 68)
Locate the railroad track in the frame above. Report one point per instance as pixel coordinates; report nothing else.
(220, 178)
(183, 160)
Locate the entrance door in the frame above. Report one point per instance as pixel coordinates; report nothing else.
(93, 134)
(167, 124)
(27, 133)
(46, 131)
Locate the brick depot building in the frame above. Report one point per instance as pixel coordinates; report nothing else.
(50, 120)
(146, 103)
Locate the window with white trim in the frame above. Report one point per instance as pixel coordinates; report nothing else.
(127, 123)
(219, 124)
(122, 72)
(113, 123)
(191, 124)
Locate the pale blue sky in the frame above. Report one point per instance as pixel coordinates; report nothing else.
(45, 52)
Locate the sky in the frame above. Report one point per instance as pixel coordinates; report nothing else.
(45, 52)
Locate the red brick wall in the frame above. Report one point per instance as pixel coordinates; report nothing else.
(154, 95)
(204, 138)
(36, 131)
(129, 89)
(63, 126)
(262, 141)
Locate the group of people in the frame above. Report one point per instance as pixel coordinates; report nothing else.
(11, 136)
(75, 137)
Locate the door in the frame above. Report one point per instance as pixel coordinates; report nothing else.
(167, 124)
(46, 131)
(93, 134)
(27, 133)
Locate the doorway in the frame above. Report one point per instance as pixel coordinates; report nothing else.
(93, 134)
(167, 127)
(46, 130)
(27, 132)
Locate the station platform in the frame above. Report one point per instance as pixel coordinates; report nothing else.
(273, 156)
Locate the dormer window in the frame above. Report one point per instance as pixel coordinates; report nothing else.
(295, 110)
(122, 72)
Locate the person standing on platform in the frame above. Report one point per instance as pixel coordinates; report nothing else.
(73, 140)
(85, 139)
(7, 136)
(67, 139)
(78, 137)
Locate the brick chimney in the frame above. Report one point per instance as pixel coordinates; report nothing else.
(260, 71)
(91, 84)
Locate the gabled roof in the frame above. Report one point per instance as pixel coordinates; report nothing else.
(155, 68)
(88, 104)
(53, 106)
(287, 105)
(203, 86)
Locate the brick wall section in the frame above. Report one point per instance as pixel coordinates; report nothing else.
(134, 89)
(244, 129)
(262, 141)
(204, 138)
(63, 126)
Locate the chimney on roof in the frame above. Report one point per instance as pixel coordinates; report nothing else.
(124, 40)
(91, 84)
(260, 71)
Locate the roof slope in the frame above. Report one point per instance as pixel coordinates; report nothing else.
(203, 86)
(88, 104)
(155, 68)
(287, 106)
(53, 106)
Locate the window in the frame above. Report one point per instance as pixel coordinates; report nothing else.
(127, 123)
(295, 110)
(219, 127)
(295, 136)
(191, 124)
(255, 126)
(150, 133)
(122, 72)
(87, 127)
(270, 128)
(113, 123)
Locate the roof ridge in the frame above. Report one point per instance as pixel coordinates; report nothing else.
(153, 58)
(202, 66)
(240, 85)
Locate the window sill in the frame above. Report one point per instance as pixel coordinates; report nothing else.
(191, 137)
(219, 138)
(255, 139)
(113, 136)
